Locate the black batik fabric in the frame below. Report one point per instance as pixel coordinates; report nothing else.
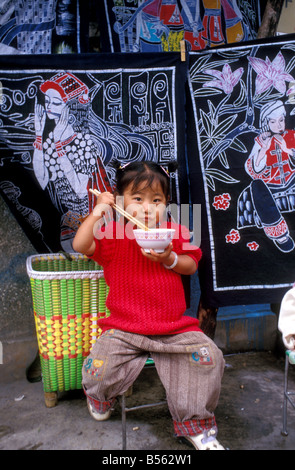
(242, 169)
(62, 127)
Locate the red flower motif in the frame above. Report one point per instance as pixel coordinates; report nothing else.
(253, 246)
(233, 236)
(222, 202)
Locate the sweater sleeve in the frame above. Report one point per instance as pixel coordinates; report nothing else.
(182, 244)
(286, 322)
(104, 245)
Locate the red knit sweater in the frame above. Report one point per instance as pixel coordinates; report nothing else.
(144, 297)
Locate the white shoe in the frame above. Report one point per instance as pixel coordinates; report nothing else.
(98, 416)
(205, 441)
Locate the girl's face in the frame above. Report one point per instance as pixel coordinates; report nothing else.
(146, 203)
(53, 104)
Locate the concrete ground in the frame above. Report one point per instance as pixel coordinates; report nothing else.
(249, 414)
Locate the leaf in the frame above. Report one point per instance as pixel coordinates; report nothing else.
(201, 78)
(198, 66)
(234, 55)
(225, 125)
(238, 145)
(290, 65)
(220, 176)
(205, 142)
(289, 46)
(207, 123)
(242, 96)
(211, 109)
(210, 181)
(207, 92)
(219, 63)
(223, 160)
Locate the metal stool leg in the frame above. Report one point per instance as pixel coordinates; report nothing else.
(133, 408)
(284, 430)
(123, 409)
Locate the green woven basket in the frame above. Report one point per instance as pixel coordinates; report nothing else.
(69, 297)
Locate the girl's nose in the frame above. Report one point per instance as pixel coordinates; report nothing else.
(146, 207)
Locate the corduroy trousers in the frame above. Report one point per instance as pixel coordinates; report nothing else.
(190, 367)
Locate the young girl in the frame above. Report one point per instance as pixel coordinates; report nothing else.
(147, 304)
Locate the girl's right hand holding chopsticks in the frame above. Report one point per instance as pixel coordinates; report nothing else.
(84, 238)
(104, 204)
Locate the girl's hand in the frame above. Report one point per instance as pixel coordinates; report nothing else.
(185, 264)
(40, 117)
(104, 204)
(84, 239)
(164, 257)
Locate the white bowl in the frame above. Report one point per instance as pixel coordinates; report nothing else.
(156, 239)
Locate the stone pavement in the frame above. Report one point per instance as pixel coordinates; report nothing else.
(249, 414)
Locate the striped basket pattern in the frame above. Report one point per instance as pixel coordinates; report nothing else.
(69, 297)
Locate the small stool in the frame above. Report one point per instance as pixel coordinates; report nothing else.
(287, 395)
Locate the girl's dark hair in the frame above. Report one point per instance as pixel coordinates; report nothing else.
(144, 171)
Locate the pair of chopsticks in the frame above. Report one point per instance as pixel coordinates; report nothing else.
(122, 212)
